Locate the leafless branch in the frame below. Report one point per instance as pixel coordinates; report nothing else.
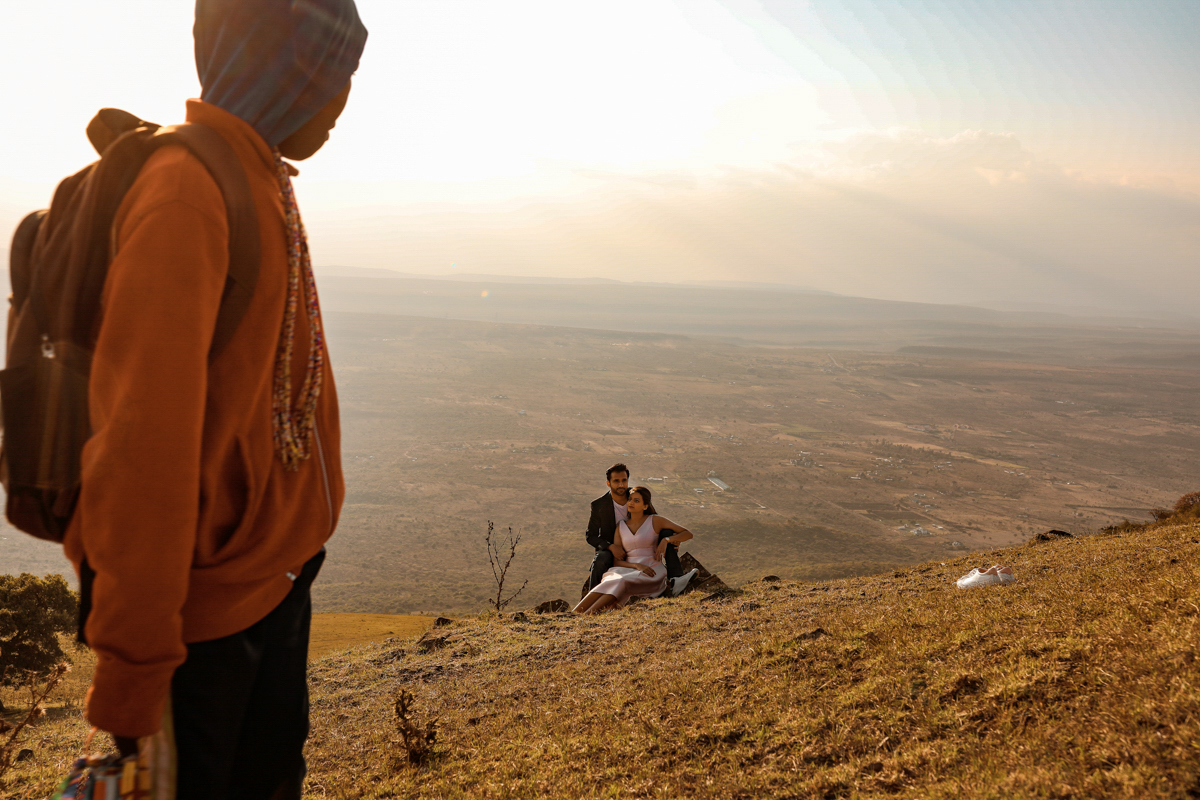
(500, 564)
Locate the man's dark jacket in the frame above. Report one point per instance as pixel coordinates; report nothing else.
(602, 526)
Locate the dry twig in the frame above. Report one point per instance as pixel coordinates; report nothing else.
(500, 570)
(418, 741)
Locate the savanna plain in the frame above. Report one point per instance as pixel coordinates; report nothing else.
(863, 461)
(958, 429)
(838, 463)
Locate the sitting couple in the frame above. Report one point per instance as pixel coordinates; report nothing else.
(636, 550)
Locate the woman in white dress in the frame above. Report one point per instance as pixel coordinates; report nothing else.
(642, 573)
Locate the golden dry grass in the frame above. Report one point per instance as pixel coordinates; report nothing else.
(330, 633)
(334, 632)
(1078, 681)
(1081, 680)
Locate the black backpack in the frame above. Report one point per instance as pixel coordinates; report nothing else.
(57, 266)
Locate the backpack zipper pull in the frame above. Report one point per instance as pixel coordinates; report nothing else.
(47, 346)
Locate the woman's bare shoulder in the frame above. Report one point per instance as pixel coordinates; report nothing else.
(661, 522)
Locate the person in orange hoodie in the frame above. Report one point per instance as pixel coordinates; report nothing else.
(209, 489)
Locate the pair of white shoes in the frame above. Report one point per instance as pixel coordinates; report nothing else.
(991, 576)
(675, 586)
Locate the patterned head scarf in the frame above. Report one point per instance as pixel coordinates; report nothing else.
(276, 63)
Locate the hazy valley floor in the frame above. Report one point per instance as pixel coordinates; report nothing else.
(840, 462)
(1080, 680)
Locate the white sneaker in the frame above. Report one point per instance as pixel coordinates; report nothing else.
(977, 577)
(679, 584)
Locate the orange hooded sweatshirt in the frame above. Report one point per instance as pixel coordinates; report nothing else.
(186, 513)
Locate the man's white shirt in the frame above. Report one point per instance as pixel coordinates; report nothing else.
(621, 511)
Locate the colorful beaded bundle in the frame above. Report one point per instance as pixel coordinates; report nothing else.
(293, 427)
(106, 778)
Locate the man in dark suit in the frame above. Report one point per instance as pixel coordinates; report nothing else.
(608, 510)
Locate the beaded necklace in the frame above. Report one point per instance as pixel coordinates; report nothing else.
(293, 427)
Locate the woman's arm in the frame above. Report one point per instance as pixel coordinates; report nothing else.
(678, 536)
(644, 569)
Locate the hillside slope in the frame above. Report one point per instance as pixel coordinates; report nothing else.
(1081, 680)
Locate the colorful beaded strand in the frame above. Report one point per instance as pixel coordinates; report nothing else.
(293, 427)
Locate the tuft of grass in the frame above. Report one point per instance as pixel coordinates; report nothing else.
(1082, 679)
(418, 740)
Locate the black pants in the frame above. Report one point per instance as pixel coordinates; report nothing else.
(240, 706)
(603, 561)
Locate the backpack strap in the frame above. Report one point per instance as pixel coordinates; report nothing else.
(90, 200)
(20, 254)
(244, 246)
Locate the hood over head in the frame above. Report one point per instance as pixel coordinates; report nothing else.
(276, 63)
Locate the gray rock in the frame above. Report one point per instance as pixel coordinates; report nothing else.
(432, 641)
(552, 607)
(704, 581)
(1051, 536)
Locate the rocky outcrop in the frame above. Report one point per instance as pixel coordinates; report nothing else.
(432, 641)
(1050, 536)
(552, 607)
(704, 581)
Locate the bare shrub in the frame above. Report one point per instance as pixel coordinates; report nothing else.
(1188, 505)
(33, 612)
(418, 740)
(500, 565)
(38, 687)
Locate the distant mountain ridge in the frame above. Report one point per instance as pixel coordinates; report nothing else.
(374, 272)
(738, 312)
(1033, 308)
(719, 299)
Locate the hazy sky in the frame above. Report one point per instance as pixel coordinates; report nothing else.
(1000, 151)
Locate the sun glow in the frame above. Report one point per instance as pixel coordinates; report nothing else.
(672, 139)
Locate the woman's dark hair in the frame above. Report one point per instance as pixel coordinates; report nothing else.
(618, 467)
(644, 491)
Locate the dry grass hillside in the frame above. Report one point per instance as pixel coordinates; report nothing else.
(1080, 680)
